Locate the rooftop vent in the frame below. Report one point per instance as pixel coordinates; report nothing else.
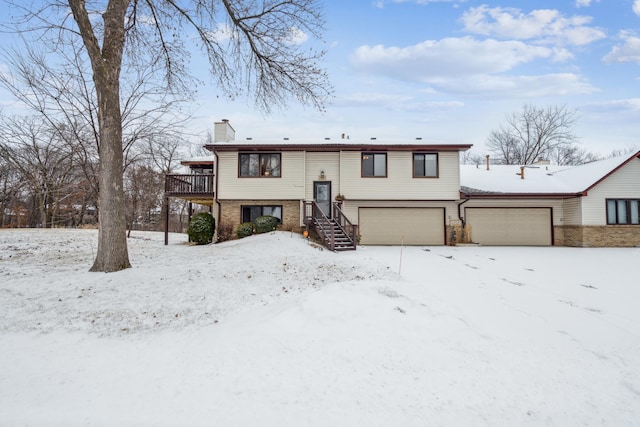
(327, 139)
(286, 139)
(419, 138)
(373, 138)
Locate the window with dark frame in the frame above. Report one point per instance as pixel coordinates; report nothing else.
(374, 165)
(425, 165)
(261, 165)
(623, 211)
(250, 213)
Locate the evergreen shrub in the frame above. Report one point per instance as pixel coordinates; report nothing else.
(245, 230)
(266, 223)
(201, 228)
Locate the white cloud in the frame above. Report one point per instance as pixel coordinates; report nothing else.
(636, 7)
(542, 25)
(297, 36)
(449, 57)
(628, 51)
(564, 84)
(631, 105)
(583, 3)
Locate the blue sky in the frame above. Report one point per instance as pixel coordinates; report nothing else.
(449, 71)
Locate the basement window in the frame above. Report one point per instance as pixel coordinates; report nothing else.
(250, 213)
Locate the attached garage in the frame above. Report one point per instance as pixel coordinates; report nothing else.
(510, 226)
(395, 226)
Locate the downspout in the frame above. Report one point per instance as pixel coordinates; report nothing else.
(215, 188)
(463, 220)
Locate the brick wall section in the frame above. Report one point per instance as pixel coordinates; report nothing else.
(231, 214)
(558, 236)
(602, 236)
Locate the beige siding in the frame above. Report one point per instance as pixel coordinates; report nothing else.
(317, 162)
(399, 183)
(289, 186)
(572, 212)
(623, 184)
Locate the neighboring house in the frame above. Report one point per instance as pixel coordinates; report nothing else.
(596, 204)
(394, 192)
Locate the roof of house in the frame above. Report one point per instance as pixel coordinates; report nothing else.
(344, 144)
(201, 160)
(539, 179)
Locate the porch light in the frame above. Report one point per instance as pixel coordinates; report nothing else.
(322, 174)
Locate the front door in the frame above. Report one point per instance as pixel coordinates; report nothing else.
(322, 196)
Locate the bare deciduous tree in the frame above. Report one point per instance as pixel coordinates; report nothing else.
(534, 133)
(252, 50)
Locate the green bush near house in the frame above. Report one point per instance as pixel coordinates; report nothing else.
(266, 223)
(245, 230)
(201, 228)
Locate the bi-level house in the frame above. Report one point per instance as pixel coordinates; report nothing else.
(372, 191)
(393, 192)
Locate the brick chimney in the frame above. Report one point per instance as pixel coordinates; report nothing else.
(223, 132)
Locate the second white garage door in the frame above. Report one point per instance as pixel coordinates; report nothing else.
(394, 226)
(510, 226)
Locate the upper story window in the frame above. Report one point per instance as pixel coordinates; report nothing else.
(259, 165)
(622, 211)
(374, 164)
(425, 165)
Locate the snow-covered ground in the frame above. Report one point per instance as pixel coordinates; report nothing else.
(273, 331)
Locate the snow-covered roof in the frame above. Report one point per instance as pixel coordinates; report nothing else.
(342, 143)
(200, 159)
(538, 179)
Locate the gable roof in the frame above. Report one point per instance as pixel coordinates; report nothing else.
(539, 180)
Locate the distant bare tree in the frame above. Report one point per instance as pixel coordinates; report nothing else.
(534, 133)
(571, 155)
(470, 157)
(253, 49)
(45, 163)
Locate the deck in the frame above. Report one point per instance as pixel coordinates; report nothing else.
(196, 188)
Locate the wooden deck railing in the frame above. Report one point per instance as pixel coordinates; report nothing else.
(175, 184)
(341, 219)
(314, 216)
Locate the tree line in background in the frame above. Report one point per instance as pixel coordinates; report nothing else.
(49, 157)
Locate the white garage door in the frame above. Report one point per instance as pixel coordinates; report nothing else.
(394, 226)
(510, 226)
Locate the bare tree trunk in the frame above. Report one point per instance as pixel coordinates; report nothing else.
(112, 253)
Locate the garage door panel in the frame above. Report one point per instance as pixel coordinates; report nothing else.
(395, 226)
(510, 226)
